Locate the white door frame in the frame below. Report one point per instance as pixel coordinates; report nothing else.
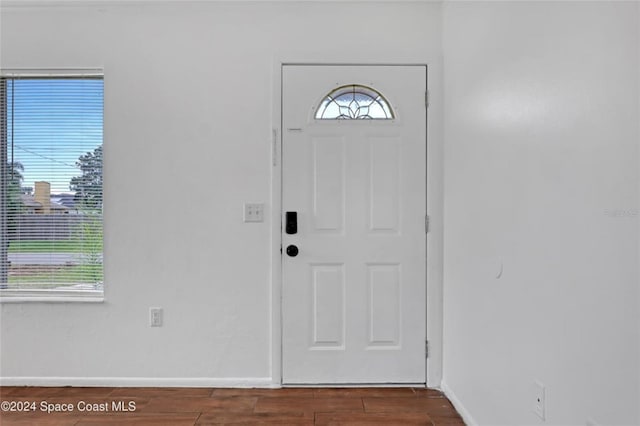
(434, 303)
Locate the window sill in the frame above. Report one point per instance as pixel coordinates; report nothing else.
(51, 296)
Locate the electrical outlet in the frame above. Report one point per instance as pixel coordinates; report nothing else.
(155, 317)
(539, 401)
(253, 212)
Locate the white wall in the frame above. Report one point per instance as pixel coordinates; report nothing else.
(541, 175)
(189, 93)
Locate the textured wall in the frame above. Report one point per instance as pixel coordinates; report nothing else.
(189, 107)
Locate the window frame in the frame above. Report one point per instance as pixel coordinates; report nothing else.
(50, 295)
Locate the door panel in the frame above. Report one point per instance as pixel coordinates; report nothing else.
(384, 305)
(353, 300)
(328, 183)
(328, 306)
(384, 184)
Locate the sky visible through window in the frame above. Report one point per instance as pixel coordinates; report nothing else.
(51, 123)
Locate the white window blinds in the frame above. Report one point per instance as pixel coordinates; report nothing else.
(51, 201)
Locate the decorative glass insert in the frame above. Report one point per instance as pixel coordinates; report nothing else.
(354, 102)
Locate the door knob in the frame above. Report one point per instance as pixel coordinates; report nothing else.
(292, 250)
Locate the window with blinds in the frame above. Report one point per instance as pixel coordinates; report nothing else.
(51, 227)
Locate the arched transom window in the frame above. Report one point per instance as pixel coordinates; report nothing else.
(354, 102)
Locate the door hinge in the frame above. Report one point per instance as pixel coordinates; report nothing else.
(426, 349)
(426, 99)
(426, 224)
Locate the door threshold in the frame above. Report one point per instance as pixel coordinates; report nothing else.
(354, 385)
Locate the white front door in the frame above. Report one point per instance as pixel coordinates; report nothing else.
(353, 306)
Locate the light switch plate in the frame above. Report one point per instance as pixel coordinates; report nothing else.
(254, 212)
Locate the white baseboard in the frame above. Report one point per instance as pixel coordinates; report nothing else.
(177, 382)
(466, 416)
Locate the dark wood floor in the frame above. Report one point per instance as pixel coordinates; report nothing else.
(203, 406)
